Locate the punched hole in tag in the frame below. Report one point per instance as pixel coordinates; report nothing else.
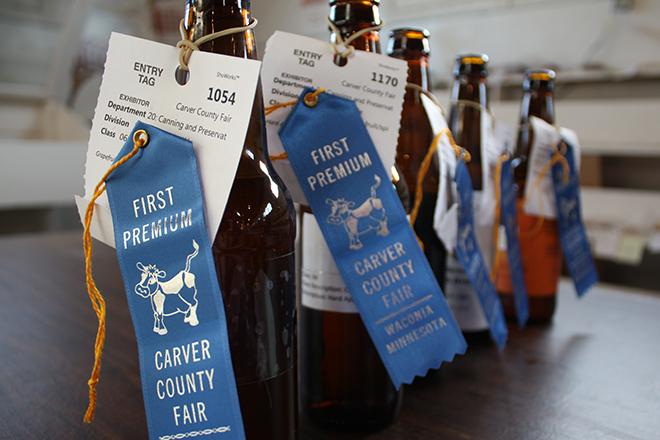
(181, 75)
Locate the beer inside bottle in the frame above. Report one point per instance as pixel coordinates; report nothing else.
(344, 383)
(468, 99)
(253, 253)
(415, 138)
(539, 246)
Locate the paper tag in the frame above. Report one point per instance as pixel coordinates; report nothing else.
(375, 82)
(445, 219)
(369, 235)
(176, 305)
(469, 253)
(212, 110)
(541, 199)
(322, 286)
(572, 233)
(509, 218)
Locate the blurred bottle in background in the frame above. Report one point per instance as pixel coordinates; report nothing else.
(539, 238)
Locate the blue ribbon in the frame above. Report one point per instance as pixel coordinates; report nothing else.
(509, 218)
(572, 233)
(165, 257)
(471, 258)
(374, 246)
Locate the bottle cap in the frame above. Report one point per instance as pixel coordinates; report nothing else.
(409, 39)
(467, 63)
(537, 78)
(352, 13)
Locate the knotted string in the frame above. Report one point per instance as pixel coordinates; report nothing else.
(187, 46)
(346, 49)
(140, 138)
(426, 164)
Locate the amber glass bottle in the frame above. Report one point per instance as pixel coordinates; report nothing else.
(344, 384)
(540, 248)
(468, 98)
(415, 138)
(254, 253)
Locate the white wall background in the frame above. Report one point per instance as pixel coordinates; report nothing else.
(619, 37)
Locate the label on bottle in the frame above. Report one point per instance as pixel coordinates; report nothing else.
(462, 298)
(323, 287)
(212, 110)
(469, 253)
(165, 257)
(541, 197)
(509, 219)
(572, 233)
(370, 237)
(376, 83)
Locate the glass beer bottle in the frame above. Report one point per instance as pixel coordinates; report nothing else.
(254, 253)
(415, 138)
(344, 384)
(468, 99)
(540, 248)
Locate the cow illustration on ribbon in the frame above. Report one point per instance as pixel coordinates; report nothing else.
(367, 217)
(177, 295)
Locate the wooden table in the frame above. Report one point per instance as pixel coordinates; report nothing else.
(593, 374)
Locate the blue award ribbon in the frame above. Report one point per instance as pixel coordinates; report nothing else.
(472, 260)
(371, 240)
(572, 233)
(509, 218)
(165, 257)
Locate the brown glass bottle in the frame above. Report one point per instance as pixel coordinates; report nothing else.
(344, 384)
(540, 248)
(254, 253)
(415, 138)
(468, 98)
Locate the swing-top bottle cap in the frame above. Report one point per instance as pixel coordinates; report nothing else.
(536, 78)
(409, 39)
(471, 62)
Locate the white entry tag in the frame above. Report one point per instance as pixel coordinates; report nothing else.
(445, 220)
(212, 110)
(505, 136)
(541, 198)
(374, 81)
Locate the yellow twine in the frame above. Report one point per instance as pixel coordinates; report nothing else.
(558, 156)
(426, 164)
(310, 97)
(187, 46)
(498, 203)
(140, 138)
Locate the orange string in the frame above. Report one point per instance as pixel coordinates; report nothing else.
(557, 157)
(424, 169)
(268, 110)
(498, 202)
(426, 164)
(97, 300)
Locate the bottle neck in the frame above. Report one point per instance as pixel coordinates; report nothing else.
(470, 87)
(352, 16)
(205, 17)
(539, 103)
(418, 69)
